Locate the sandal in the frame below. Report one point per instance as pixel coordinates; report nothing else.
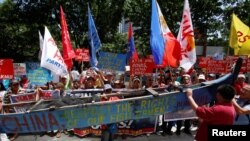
(58, 134)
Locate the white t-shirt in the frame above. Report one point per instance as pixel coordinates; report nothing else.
(75, 75)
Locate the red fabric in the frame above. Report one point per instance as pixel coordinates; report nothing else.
(6, 69)
(219, 114)
(68, 52)
(239, 86)
(131, 42)
(172, 53)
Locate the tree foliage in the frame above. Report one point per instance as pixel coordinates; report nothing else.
(21, 20)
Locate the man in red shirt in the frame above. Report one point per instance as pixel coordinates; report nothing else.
(213, 115)
(240, 83)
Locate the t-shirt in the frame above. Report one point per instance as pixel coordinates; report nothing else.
(219, 114)
(239, 86)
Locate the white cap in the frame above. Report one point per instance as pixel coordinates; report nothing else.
(202, 76)
(107, 86)
(176, 83)
(241, 76)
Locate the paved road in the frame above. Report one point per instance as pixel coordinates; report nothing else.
(153, 137)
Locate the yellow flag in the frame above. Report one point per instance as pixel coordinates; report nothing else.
(239, 37)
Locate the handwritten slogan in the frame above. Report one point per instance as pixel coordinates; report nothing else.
(112, 61)
(223, 66)
(141, 66)
(108, 112)
(37, 75)
(129, 127)
(82, 54)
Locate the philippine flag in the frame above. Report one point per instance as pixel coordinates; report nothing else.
(132, 54)
(165, 48)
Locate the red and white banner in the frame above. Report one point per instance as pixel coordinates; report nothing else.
(223, 66)
(6, 69)
(141, 66)
(16, 98)
(82, 54)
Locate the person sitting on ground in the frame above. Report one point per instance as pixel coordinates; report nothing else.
(213, 115)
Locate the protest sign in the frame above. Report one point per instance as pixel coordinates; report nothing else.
(6, 69)
(37, 75)
(19, 69)
(112, 61)
(142, 66)
(82, 54)
(16, 98)
(130, 127)
(49, 94)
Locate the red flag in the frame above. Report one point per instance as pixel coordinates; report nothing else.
(68, 52)
(132, 54)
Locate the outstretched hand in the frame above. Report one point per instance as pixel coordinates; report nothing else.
(189, 92)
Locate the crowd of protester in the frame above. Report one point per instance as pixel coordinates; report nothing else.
(93, 78)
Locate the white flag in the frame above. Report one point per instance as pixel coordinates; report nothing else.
(51, 56)
(186, 39)
(41, 45)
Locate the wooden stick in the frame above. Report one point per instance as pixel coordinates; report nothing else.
(34, 106)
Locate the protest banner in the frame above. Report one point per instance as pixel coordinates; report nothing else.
(130, 127)
(231, 61)
(216, 66)
(101, 112)
(19, 69)
(98, 113)
(112, 61)
(49, 94)
(37, 75)
(202, 61)
(248, 65)
(26, 97)
(82, 54)
(6, 69)
(142, 66)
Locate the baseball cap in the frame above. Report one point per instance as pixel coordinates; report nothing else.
(107, 87)
(241, 76)
(202, 76)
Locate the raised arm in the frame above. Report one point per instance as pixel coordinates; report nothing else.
(239, 109)
(189, 94)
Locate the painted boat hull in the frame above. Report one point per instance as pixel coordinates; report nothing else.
(89, 114)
